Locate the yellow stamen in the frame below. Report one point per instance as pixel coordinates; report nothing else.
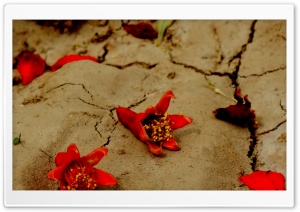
(159, 129)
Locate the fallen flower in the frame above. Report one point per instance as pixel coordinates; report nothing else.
(155, 125)
(240, 114)
(77, 173)
(141, 30)
(71, 58)
(30, 66)
(264, 180)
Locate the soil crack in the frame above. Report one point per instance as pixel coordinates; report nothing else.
(264, 73)
(142, 100)
(273, 129)
(143, 64)
(85, 114)
(101, 58)
(100, 38)
(95, 126)
(197, 70)
(282, 107)
(220, 56)
(49, 156)
(68, 83)
(107, 142)
(34, 100)
(137, 103)
(97, 106)
(238, 56)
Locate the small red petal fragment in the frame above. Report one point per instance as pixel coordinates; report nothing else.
(141, 30)
(171, 144)
(30, 66)
(95, 156)
(104, 179)
(71, 58)
(264, 180)
(164, 102)
(178, 121)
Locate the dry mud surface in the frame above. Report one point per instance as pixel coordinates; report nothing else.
(78, 102)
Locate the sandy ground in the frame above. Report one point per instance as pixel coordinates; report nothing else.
(77, 102)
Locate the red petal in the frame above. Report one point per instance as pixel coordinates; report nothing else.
(164, 102)
(178, 121)
(264, 180)
(59, 159)
(63, 185)
(30, 66)
(65, 158)
(132, 121)
(56, 173)
(171, 144)
(71, 58)
(104, 179)
(143, 136)
(128, 118)
(154, 149)
(95, 156)
(149, 111)
(141, 30)
(277, 179)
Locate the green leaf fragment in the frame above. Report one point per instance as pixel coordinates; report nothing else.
(161, 26)
(213, 86)
(17, 140)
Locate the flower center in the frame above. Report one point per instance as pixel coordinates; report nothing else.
(158, 128)
(80, 176)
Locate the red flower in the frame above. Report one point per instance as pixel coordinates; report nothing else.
(30, 66)
(77, 173)
(71, 58)
(141, 30)
(240, 114)
(264, 180)
(154, 126)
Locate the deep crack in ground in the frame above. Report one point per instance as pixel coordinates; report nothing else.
(234, 75)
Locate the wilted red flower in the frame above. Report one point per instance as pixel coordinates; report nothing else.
(71, 58)
(264, 180)
(240, 114)
(30, 66)
(154, 126)
(77, 173)
(141, 30)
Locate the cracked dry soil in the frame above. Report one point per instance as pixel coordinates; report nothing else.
(77, 102)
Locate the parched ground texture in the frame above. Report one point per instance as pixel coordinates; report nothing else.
(77, 103)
